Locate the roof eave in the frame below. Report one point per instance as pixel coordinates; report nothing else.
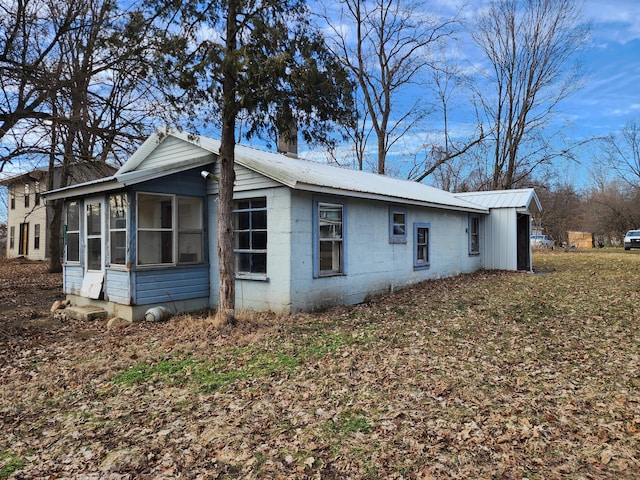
(385, 198)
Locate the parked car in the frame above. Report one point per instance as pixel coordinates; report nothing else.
(541, 241)
(632, 239)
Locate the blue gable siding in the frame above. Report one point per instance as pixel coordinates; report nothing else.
(184, 183)
(170, 284)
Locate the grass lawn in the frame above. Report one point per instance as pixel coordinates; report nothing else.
(492, 375)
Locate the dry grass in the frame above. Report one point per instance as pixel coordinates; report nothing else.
(490, 375)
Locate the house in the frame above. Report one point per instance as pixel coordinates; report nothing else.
(28, 217)
(306, 235)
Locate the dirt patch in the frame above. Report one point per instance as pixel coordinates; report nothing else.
(27, 292)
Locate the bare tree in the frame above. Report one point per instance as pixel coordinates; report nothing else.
(622, 153)
(74, 88)
(387, 46)
(530, 46)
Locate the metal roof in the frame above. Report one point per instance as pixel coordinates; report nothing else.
(293, 172)
(524, 199)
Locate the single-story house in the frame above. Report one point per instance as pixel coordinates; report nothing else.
(307, 235)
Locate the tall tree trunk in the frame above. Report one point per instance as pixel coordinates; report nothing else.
(227, 291)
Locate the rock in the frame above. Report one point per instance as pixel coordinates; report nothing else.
(118, 322)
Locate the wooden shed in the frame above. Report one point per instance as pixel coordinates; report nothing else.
(580, 239)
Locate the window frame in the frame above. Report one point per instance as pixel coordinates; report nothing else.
(393, 236)
(68, 232)
(318, 205)
(12, 237)
(174, 229)
(250, 232)
(36, 236)
(421, 263)
(474, 231)
(26, 195)
(36, 200)
(118, 229)
(12, 197)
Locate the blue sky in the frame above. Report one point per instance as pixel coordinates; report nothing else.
(610, 96)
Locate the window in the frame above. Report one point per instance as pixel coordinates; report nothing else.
(474, 235)
(397, 225)
(37, 198)
(12, 195)
(155, 229)
(250, 235)
(12, 238)
(421, 242)
(159, 241)
(189, 230)
(26, 195)
(329, 235)
(118, 229)
(36, 236)
(72, 237)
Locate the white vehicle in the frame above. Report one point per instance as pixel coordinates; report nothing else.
(541, 241)
(632, 239)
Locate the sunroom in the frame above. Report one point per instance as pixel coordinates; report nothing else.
(130, 245)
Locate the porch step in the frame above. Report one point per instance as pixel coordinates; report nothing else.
(85, 312)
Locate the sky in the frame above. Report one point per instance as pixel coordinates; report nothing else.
(610, 96)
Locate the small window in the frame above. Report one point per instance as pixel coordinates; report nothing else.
(250, 235)
(329, 237)
(37, 193)
(118, 206)
(421, 242)
(26, 195)
(36, 236)
(12, 238)
(72, 236)
(474, 235)
(397, 225)
(12, 196)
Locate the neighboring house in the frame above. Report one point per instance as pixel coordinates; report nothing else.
(306, 235)
(28, 217)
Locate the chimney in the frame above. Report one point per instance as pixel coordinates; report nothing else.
(288, 139)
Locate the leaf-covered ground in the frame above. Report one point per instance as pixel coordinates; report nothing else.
(492, 375)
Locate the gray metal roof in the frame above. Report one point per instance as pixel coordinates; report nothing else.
(295, 173)
(523, 199)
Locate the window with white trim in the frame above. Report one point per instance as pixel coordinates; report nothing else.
(118, 207)
(12, 238)
(36, 236)
(72, 232)
(26, 195)
(421, 245)
(329, 228)
(163, 236)
(474, 235)
(397, 225)
(12, 197)
(250, 235)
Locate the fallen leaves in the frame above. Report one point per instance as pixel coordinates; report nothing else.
(490, 375)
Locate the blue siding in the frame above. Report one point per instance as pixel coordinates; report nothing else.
(184, 183)
(73, 275)
(117, 286)
(161, 286)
